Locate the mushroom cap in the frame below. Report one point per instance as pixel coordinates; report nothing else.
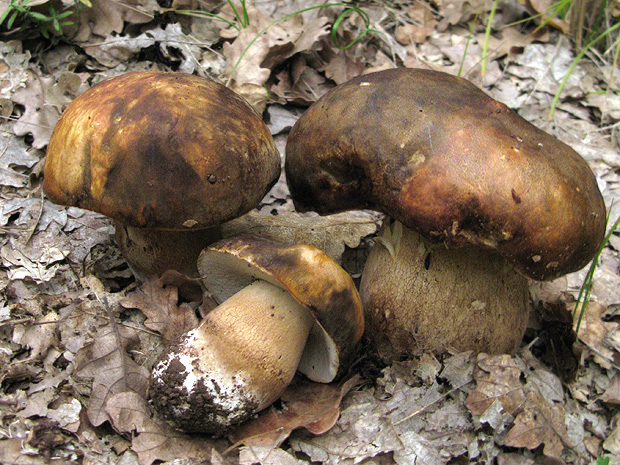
(163, 150)
(311, 276)
(439, 155)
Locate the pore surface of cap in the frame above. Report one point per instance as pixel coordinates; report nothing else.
(163, 150)
(436, 153)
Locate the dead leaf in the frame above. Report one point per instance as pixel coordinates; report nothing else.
(160, 304)
(12, 451)
(313, 406)
(340, 65)
(593, 332)
(153, 439)
(38, 119)
(540, 422)
(612, 393)
(498, 378)
(303, 85)
(112, 370)
(509, 41)
(544, 9)
(105, 17)
(40, 336)
(423, 25)
(40, 268)
(15, 161)
(331, 233)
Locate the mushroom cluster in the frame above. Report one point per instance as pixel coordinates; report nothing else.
(477, 200)
(282, 308)
(486, 200)
(169, 156)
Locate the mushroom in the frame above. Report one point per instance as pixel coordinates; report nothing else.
(281, 308)
(477, 198)
(169, 156)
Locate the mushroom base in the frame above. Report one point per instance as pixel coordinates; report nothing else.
(151, 252)
(433, 299)
(238, 361)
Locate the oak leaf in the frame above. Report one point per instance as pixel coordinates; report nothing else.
(313, 406)
(160, 304)
(107, 362)
(540, 422)
(152, 438)
(498, 378)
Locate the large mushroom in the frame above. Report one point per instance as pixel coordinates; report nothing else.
(169, 156)
(478, 200)
(282, 308)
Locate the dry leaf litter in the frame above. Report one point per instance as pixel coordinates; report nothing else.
(78, 333)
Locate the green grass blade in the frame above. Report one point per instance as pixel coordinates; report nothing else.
(487, 35)
(198, 14)
(573, 65)
(584, 293)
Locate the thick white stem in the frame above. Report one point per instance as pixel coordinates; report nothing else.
(237, 362)
(258, 334)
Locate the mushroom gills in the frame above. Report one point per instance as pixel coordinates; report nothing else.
(229, 368)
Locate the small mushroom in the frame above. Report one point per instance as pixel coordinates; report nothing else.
(282, 308)
(485, 199)
(169, 156)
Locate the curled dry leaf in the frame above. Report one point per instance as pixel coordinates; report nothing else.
(313, 406)
(263, 45)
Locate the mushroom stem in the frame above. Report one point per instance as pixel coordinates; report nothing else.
(151, 252)
(237, 362)
(430, 298)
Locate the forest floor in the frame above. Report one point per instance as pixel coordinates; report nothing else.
(79, 333)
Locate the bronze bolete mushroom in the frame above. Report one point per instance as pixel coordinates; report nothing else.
(169, 156)
(282, 308)
(480, 192)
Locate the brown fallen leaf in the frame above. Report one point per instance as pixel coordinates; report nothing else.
(313, 406)
(107, 362)
(105, 17)
(545, 9)
(38, 118)
(612, 393)
(39, 336)
(152, 438)
(540, 422)
(498, 378)
(12, 451)
(593, 332)
(303, 85)
(160, 304)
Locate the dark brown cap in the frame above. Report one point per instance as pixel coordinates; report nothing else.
(311, 276)
(163, 150)
(437, 154)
